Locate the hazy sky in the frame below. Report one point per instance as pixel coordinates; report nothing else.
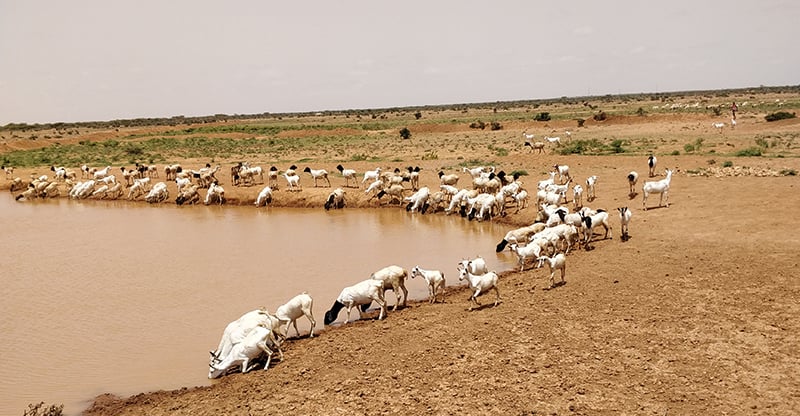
(85, 60)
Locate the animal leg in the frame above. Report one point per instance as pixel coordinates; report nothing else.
(497, 292)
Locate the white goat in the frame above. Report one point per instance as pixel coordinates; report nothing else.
(288, 313)
(264, 197)
(451, 179)
(159, 193)
(435, 280)
(347, 174)
(362, 293)
(577, 196)
(215, 194)
(521, 199)
(557, 262)
(554, 140)
(519, 235)
(591, 183)
(474, 266)
(624, 219)
(374, 188)
(258, 341)
(293, 182)
(480, 284)
(418, 201)
(530, 251)
(657, 187)
(563, 172)
(236, 331)
(371, 175)
(317, 174)
(592, 221)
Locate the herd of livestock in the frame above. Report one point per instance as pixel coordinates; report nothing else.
(559, 227)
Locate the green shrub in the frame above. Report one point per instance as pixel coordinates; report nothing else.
(675, 153)
(616, 146)
(496, 126)
(601, 116)
(761, 142)
(727, 164)
(405, 133)
(688, 148)
(640, 112)
(788, 172)
(543, 116)
(477, 125)
(780, 115)
(750, 151)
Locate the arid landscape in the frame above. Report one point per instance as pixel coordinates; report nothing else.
(697, 313)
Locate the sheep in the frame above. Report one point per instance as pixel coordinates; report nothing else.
(557, 262)
(371, 175)
(100, 174)
(537, 146)
(159, 193)
(451, 179)
(474, 266)
(273, 177)
(108, 180)
(188, 195)
(547, 182)
(591, 221)
(435, 280)
(264, 197)
(17, 184)
(519, 235)
(591, 182)
(563, 172)
(8, 170)
(394, 191)
(718, 126)
(316, 174)
(577, 196)
(624, 219)
(657, 187)
(293, 182)
(374, 188)
(528, 136)
(561, 190)
(51, 190)
(288, 313)
(480, 284)
(60, 172)
(475, 172)
(529, 251)
(418, 201)
(171, 171)
(362, 293)
(101, 191)
(633, 177)
(215, 194)
(136, 190)
(481, 207)
(393, 277)
(335, 199)
(651, 163)
(521, 198)
(257, 341)
(348, 174)
(414, 177)
(236, 331)
(291, 170)
(554, 140)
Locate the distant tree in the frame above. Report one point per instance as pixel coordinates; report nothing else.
(405, 133)
(543, 116)
(418, 115)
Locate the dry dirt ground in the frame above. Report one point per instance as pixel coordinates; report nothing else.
(696, 314)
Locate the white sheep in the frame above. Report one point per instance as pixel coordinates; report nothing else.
(264, 197)
(554, 140)
(293, 181)
(374, 188)
(577, 196)
(258, 341)
(633, 177)
(288, 313)
(362, 293)
(393, 277)
(657, 187)
(317, 174)
(273, 177)
(545, 183)
(335, 199)
(652, 161)
(414, 176)
(480, 284)
(563, 172)
(158, 193)
(395, 193)
(557, 262)
(591, 183)
(347, 174)
(476, 265)
(435, 280)
(521, 199)
(451, 179)
(418, 201)
(188, 195)
(624, 219)
(215, 194)
(371, 175)
(592, 221)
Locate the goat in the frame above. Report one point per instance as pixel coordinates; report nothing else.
(316, 174)
(481, 206)
(273, 177)
(215, 194)
(293, 182)
(100, 174)
(451, 179)
(475, 172)
(394, 191)
(288, 313)
(264, 197)
(718, 126)
(372, 175)
(577, 196)
(563, 172)
(557, 262)
(624, 219)
(171, 171)
(519, 235)
(435, 280)
(547, 182)
(480, 284)
(591, 182)
(651, 163)
(348, 174)
(657, 187)
(554, 140)
(374, 188)
(335, 199)
(521, 198)
(633, 177)
(158, 193)
(537, 146)
(362, 293)
(529, 251)
(139, 187)
(259, 340)
(393, 277)
(8, 170)
(414, 177)
(474, 266)
(188, 195)
(236, 331)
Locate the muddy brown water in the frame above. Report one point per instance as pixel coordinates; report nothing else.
(108, 297)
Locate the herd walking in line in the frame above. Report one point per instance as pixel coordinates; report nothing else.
(253, 339)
